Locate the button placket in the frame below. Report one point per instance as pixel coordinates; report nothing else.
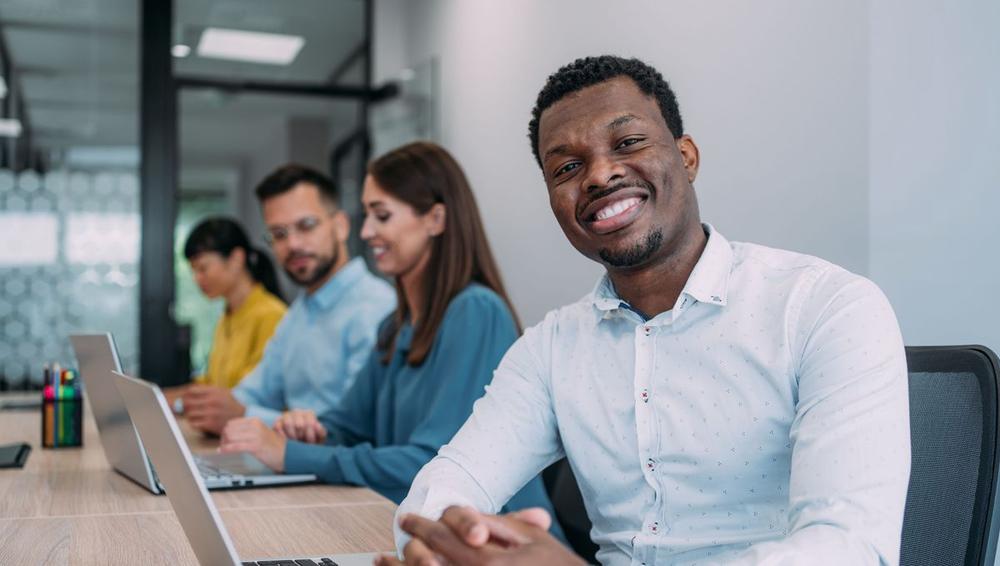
(645, 341)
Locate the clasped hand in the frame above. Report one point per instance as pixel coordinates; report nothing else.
(463, 536)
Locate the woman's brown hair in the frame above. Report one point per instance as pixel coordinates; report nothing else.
(422, 174)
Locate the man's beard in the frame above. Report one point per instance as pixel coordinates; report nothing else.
(635, 255)
(323, 268)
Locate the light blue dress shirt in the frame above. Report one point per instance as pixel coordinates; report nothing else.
(764, 419)
(320, 346)
(395, 416)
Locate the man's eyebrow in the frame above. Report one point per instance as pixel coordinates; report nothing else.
(621, 121)
(557, 150)
(616, 123)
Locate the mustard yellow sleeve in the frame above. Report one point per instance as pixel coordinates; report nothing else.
(267, 324)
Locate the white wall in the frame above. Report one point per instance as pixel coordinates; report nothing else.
(935, 167)
(775, 93)
(867, 133)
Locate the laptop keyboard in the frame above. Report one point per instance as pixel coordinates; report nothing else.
(299, 562)
(209, 471)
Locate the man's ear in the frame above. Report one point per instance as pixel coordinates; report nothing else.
(342, 224)
(690, 155)
(435, 219)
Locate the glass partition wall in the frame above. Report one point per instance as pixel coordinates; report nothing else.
(69, 190)
(260, 84)
(124, 124)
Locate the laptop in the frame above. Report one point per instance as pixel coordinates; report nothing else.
(195, 510)
(98, 358)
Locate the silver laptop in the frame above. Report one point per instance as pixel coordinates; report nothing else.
(186, 488)
(98, 358)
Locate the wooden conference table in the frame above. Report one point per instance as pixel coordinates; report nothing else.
(67, 506)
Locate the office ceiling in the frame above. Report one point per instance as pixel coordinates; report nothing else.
(77, 62)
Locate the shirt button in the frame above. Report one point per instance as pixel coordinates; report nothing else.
(654, 528)
(646, 329)
(644, 395)
(650, 465)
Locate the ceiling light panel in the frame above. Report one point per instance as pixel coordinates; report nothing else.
(250, 46)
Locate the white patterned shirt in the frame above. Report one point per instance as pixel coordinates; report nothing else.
(764, 419)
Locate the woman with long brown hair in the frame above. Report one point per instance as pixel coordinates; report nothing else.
(436, 353)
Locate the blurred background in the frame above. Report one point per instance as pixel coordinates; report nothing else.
(864, 132)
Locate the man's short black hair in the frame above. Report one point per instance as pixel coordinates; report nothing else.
(589, 71)
(284, 179)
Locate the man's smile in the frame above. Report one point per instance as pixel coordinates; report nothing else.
(615, 211)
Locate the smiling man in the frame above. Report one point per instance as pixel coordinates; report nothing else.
(719, 402)
(328, 332)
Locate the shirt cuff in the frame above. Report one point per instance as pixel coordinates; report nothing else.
(319, 459)
(262, 413)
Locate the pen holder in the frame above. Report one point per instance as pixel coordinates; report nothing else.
(62, 410)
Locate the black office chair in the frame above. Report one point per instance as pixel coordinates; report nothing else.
(570, 512)
(949, 518)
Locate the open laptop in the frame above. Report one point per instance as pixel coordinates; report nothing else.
(185, 487)
(98, 358)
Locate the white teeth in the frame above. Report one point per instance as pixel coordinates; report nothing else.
(378, 250)
(616, 208)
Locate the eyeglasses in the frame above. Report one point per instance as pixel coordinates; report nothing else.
(303, 226)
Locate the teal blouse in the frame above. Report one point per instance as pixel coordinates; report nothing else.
(395, 417)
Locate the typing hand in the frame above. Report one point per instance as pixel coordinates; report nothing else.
(173, 395)
(208, 407)
(301, 425)
(463, 536)
(252, 435)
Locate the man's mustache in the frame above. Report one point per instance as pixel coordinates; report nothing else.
(299, 255)
(639, 184)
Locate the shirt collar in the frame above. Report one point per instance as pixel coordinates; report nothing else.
(255, 296)
(708, 282)
(326, 297)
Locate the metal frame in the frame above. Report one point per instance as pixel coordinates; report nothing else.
(158, 195)
(362, 93)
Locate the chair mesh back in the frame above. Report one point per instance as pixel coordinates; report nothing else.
(946, 424)
(570, 511)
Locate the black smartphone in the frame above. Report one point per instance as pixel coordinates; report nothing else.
(14, 455)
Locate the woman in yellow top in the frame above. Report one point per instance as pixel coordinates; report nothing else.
(226, 265)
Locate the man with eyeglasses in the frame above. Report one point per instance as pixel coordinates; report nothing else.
(329, 330)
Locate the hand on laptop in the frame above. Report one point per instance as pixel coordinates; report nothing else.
(208, 407)
(301, 425)
(253, 436)
(174, 396)
(464, 536)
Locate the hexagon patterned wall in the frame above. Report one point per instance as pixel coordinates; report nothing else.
(69, 249)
